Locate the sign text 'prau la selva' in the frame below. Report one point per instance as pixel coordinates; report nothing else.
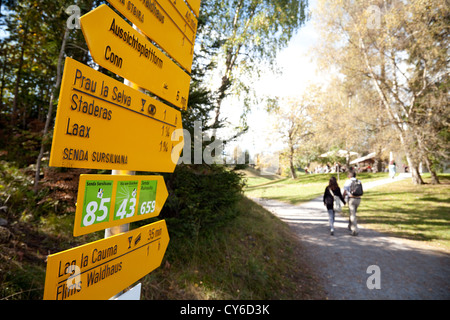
(105, 201)
(100, 269)
(102, 123)
(116, 46)
(168, 23)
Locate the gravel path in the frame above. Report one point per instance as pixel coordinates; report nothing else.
(407, 269)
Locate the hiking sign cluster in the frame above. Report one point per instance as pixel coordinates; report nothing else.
(102, 123)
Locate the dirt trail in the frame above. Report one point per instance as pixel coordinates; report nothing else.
(407, 269)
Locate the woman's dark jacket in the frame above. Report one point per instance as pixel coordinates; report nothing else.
(328, 198)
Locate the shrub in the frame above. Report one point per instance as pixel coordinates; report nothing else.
(15, 191)
(201, 197)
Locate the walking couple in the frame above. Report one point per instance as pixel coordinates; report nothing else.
(332, 198)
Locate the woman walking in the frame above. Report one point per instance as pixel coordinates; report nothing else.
(392, 169)
(331, 195)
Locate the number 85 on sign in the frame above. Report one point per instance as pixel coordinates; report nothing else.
(106, 201)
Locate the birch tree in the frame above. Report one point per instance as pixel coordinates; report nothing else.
(294, 127)
(242, 35)
(401, 48)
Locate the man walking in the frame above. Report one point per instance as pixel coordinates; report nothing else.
(353, 191)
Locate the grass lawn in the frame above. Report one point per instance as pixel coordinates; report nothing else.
(400, 208)
(306, 187)
(409, 211)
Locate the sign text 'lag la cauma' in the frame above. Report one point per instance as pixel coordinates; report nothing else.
(100, 269)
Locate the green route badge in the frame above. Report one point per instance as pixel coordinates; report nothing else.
(105, 201)
(97, 202)
(125, 199)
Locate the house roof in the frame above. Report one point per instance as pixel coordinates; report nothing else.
(369, 156)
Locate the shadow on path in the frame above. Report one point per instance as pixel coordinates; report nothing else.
(407, 271)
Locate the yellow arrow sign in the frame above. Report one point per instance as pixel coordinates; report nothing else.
(116, 46)
(171, 25)
(189, 20)
(104, 124)
(105, 201)
(195, 5)
(101, 269)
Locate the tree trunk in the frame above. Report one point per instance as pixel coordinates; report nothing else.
(426, 158)
(18, 79)
(291, 164)
(3, 85)
(414, 169)
(50, 109)
(232, 54)
(221, 95)
(378, 164)
(434, 178)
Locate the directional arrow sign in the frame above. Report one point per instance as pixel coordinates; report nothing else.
(169, 23)
(195, 6)
(104, 124)
(105, 201)
(116, 46)
(101, 269)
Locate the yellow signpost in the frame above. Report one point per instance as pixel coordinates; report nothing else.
(100, 269)
(105, 201)
(104, 124)
(116, 46)
(169, 23)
